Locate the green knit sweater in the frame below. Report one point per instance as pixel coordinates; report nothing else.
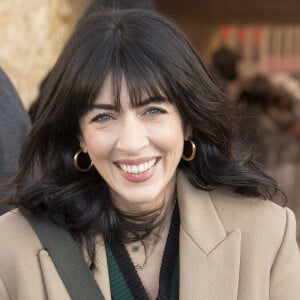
(119, 287)
(125, 283)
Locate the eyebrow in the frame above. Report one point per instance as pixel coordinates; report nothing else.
(155, 99)
(144, 102)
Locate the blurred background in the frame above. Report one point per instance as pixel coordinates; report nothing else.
(252, 48)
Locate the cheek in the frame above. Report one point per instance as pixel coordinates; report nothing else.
(171, 139)
(98, 147)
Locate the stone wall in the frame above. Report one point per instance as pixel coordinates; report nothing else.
(32, 34)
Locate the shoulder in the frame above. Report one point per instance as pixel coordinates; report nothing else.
(11, 219)
(20, 251)
(25, 267)
(16, 235)
(242, 207)
(254, 216)
(233, 210)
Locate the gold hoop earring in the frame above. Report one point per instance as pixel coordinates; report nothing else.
(193, 154)
(75, 161)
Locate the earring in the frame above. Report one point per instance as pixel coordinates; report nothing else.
(193, 154)
(75, 161)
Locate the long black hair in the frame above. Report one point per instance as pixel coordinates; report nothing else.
(155, 58)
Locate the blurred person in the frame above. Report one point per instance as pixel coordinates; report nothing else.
(286, 97)
(254, 100)
(286, 154)
(133, 139)
(225, 61)
(294, 130)
(225, 68)
(269, 118)
(14, 127)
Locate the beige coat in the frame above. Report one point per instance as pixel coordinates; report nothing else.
(231, 247)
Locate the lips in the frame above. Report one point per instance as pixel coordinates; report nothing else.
(138, 170)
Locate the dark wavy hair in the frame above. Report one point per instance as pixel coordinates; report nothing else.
(155, 58)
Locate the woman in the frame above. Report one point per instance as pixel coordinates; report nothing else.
(133, 142)
(14, 127)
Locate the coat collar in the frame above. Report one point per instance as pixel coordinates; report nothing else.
(198, 215)
(209, 256)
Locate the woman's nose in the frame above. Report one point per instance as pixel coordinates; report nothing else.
(132, 135)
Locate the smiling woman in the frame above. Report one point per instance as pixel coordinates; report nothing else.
(136, 148)
(133, 140)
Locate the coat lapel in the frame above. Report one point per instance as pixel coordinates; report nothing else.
(209, 256)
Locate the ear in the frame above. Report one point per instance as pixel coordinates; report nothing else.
(188, 134)
(82, 144)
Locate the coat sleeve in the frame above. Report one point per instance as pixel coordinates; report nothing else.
(3, 291)
(285, 272)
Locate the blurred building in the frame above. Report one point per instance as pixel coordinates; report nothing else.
(32, 34)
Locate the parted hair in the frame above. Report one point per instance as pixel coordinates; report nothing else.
(156, 59)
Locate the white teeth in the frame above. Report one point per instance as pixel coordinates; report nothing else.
(136, 169)
(141, 168)
(146, 166)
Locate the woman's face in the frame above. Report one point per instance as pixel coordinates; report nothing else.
(136, 150)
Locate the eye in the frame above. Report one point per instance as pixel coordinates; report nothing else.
(102, 118)
(154, 111)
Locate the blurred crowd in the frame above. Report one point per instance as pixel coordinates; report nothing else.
(270, 109)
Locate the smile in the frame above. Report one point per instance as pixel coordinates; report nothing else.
(137, 169)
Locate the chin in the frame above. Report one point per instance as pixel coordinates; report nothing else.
(138, 204)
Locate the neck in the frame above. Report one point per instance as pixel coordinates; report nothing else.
(153, 245)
